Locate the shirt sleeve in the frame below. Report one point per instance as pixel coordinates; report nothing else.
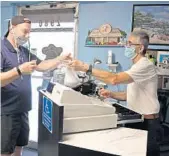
(141, 72)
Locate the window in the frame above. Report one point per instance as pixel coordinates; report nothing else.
(64, 39)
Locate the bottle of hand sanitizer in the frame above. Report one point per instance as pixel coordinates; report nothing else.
(109, 61)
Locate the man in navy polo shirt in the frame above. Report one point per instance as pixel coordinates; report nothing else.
(17, 64)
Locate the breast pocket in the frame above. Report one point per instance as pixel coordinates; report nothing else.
(10, 62)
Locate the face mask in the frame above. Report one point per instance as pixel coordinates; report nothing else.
(26, 45)
(21, 40)
(130, 52)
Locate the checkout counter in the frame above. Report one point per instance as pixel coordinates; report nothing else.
(74, 124)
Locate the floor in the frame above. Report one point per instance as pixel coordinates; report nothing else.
(29, 152)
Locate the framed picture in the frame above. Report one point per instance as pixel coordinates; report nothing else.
(165, 82)
(157, 55)
(151, 54)
(153, 19)
(163, 57)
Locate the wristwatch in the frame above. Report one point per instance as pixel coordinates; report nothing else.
(19, 72)
(89, 71)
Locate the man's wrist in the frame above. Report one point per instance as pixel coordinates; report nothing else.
(15, 70)
(58, 59)
(19, 71)
(111, 94)
(85, 67)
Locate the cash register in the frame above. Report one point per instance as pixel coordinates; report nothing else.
(65, 113)
(84, 111)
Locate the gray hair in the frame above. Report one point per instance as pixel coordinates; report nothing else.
(143, 39)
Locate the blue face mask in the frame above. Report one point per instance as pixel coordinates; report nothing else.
(130, 52)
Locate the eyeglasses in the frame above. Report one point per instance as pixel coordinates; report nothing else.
(129, 44)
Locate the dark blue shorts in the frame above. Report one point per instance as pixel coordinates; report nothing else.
(14, 132)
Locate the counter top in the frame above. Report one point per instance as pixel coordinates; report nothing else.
(121, 141)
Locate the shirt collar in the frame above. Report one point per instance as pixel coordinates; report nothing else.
(9, 45)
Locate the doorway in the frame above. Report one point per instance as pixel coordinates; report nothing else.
(49, 26)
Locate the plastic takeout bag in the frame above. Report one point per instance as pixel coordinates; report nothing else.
(71, 78)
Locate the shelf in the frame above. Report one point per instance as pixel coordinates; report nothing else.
(162, 72)
(104, 45)
(113, 65)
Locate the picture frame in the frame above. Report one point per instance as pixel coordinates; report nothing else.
(165, 82)
(161, 55)
(156, 54)
(151, 54)
(153, 19)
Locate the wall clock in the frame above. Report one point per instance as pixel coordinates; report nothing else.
(105, 28)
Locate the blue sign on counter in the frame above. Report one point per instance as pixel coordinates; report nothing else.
(47, 113)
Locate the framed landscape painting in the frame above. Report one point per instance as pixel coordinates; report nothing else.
(153, 19)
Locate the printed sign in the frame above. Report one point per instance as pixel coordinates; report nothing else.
(47, 113)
